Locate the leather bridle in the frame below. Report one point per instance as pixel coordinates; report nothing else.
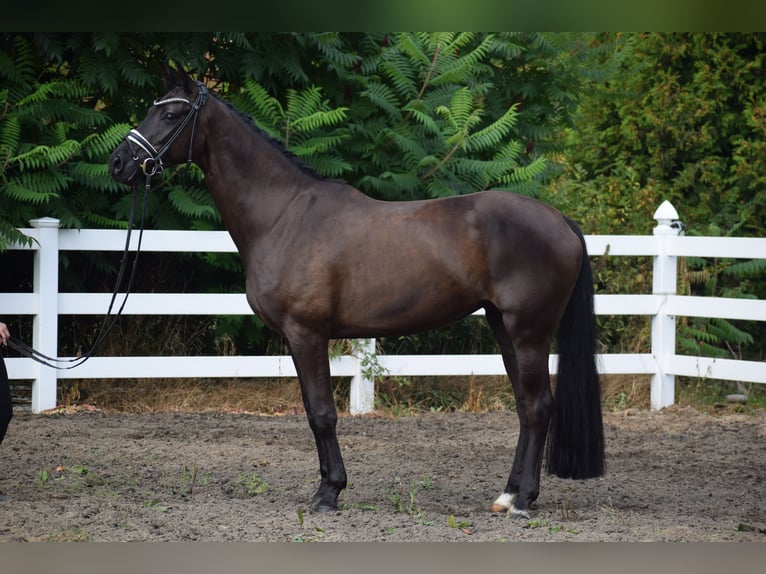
(152, 164)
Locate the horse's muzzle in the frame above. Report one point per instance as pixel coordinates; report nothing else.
(122, 166)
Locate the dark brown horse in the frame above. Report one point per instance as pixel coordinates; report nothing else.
(322, 261)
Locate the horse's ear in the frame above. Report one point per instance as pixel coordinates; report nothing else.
(170, 77)
(185, 80)
(178, 77)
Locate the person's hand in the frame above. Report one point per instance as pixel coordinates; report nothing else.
(4, 333)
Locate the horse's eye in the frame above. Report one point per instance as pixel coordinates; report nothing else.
(169, 116)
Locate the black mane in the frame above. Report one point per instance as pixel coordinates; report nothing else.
(277, 144)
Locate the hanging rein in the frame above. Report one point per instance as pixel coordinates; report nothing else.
(151, 165)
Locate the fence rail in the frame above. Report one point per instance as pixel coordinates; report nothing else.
(665, 245)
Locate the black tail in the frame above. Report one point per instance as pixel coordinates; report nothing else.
(576, 439)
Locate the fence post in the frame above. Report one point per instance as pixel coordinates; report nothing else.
(664, 325)
(362, 394)
(46, 321)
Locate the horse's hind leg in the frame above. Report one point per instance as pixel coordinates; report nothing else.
(495, 320)
(527, 367)
(312, 363)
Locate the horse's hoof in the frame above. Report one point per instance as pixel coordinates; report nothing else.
(518, 513)
(503, 502)
(324, 508)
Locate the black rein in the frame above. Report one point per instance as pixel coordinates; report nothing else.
(151, 165)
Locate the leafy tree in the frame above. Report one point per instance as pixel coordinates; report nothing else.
(683, 120)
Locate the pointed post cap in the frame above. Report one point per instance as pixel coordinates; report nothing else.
(665, 213)
(667, 220)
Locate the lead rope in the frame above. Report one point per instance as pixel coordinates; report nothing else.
(109, 319)
(155, 167)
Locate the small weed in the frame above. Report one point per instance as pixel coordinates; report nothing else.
(622, 402)
(741, 527)
(303, 537)
(252, 483)
(452, 523)
(404, 497)
(182, 482)
(155, 505)
(71, 534)
(316, 537)
(539, 523)
(70, 479)
(42, 478)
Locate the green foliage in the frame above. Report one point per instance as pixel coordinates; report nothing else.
(308, 126)
(682, 119)
(429, 123)
(251, 483)
(51, 151)
(718, 278)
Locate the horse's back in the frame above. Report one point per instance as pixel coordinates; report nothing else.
(382, 268)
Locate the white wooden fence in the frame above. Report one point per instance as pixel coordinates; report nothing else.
(46, 304)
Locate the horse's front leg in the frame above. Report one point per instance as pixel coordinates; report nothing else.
(312, 363)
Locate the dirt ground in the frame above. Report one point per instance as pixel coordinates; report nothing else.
(674, 475)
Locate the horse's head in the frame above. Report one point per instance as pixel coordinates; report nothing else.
(166, 135)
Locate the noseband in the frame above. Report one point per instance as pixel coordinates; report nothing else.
(152, 164)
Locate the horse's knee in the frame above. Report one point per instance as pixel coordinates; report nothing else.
(324, 421)
(537, 412)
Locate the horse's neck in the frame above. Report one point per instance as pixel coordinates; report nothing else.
(250, 180)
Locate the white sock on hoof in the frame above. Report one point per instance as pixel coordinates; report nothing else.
(503, 502)
(515, 512)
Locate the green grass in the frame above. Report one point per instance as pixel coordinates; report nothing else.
(710, 396)
(251, 483)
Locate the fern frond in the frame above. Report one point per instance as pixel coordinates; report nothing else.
(384, 97)
(301, 103)
(527, 172)
(100, 145)
(94, 176)
(699, 334)
(256, 101)
(492, 135)
(190, 206)
(23, 60)
(409, 146)
(104, 221)
(439, 187)
(10, 137)
(318, 144)
(9, 235)
(319, 119)
(328, 166)
(420, 112)
(460, 68)
(42, 156)
(25, 194)
(412, 46)
(331, 47)
(461, 115)
(748, 268)
(401, 74)
(725, 330)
